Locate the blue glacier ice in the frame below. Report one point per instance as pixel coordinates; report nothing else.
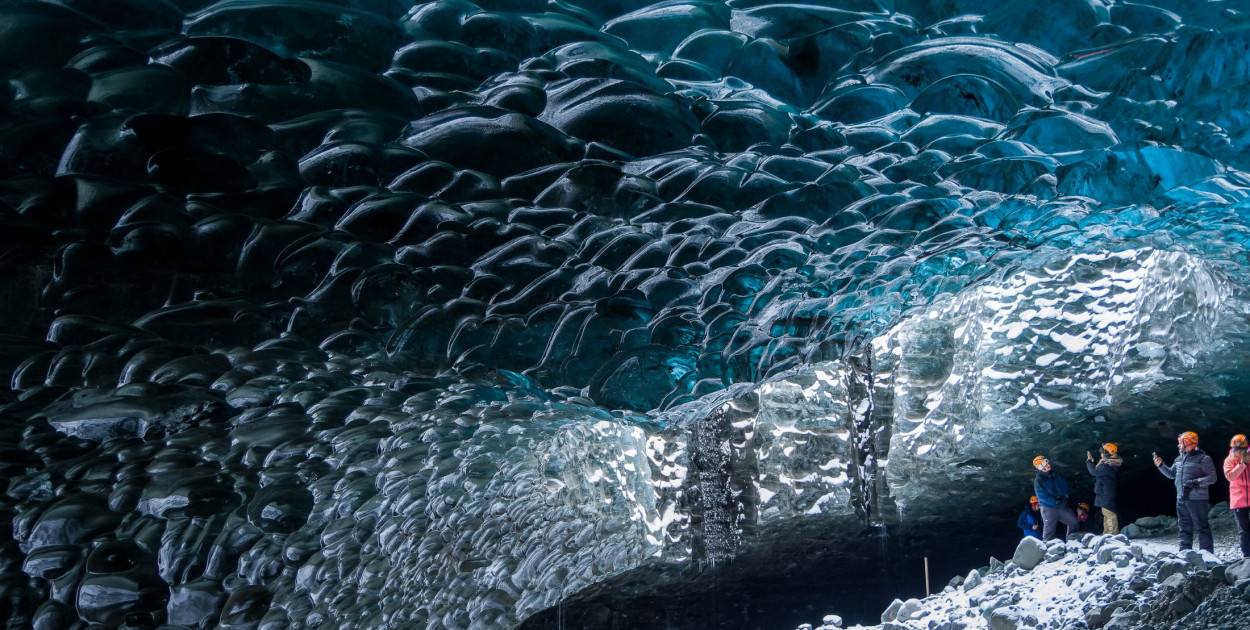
(501, 314)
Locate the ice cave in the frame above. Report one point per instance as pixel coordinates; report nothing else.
(613, 314)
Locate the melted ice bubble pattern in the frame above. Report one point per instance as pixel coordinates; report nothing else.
(393, 314)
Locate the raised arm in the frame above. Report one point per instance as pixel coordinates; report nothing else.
(1233, 467)
(1167, 470)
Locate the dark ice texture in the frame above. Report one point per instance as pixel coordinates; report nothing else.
(393, 314)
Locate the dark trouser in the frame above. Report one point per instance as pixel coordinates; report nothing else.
(1192, 514)
(1242, 516)
(1052, 516)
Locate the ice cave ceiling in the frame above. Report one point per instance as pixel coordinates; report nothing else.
(394, 314)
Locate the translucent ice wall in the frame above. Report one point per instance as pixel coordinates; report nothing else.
(384, 313)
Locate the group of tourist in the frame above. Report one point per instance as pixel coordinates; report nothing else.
(1193, 472)
(1051, 494)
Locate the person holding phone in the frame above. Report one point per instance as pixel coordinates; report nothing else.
(1193, 472)
(1237, 472)
(1105, 473)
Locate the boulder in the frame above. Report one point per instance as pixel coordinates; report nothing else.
(1093, 618)
(1219, 511)
(1112, 608)
(891, 611)
(972, 581)
(1174, 581)
(910, 609)
(1237, 571)
(1182, 607)
(1029, 553)
(1124, 620)
(1008, 618)
(1169, 568)
(1194, 559)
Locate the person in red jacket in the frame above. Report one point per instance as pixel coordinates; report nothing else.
(1237, 472)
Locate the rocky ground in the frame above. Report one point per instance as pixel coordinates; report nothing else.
(1137, 580)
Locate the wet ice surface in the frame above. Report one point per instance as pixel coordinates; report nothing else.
(383, 313)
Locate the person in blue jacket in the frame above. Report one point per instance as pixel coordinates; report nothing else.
(1193, 472)
(1052, 493)
(1029, 519)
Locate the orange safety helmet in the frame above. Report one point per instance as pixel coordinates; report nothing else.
(1188, 436)
(1111, 449)
(1033, 500)
(1084, 506)
(1239, 441)
(1037, 461)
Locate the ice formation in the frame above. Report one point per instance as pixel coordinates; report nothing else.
(389, 314)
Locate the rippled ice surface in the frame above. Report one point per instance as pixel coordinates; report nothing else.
(384, 313)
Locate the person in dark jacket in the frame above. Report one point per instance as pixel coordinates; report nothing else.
(1029, 521)
(1193, 472)
(1105, 473)
(1052, 493)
